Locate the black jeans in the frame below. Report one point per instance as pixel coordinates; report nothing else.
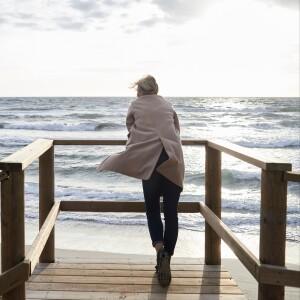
(155, 186)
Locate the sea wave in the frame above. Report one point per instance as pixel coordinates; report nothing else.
(282, 143)
(55, 126)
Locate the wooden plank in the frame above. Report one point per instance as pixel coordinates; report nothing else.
(189, 142)
(130, 280)
(117, 266)
(241, 251)
(14, 276)
(141, 288)
(46, 201)
(275, 275)
(42, 237)
(119, 206)
(130, 259)
(272, 228)
(130, 273)
(68, 295)
(293, 176)
(21, 159)
(213, 201)
(12, 228)
(247, 155)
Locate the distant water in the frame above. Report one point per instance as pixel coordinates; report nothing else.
(270, 126)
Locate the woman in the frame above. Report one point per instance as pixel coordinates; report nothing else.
(154, 154)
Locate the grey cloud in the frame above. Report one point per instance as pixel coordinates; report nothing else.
(26, 24)
(69, 23)
(294, 4)
(98, 14)
(25, 16)
(3, 20)
(150, 22)
(182, 11)
(84, 5)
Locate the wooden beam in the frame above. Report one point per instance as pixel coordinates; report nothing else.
(213, 201)
(21, 159)
(14, 277)
(292, 176)
(245, 256)
(12, 228)
(3, 175)
(40, 241)
(272, 228)
(249, 156)
(274, 275)
(189, 142)
(120, 206)
(46, 200)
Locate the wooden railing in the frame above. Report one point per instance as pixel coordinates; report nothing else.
(269, 270)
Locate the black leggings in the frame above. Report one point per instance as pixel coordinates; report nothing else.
(155, 186)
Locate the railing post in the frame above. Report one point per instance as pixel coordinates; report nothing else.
(46, 197)
(272, 228)
(213, 201)
(12, 228)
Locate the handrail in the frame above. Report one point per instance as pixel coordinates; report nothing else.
(42, 237)
(119, 206)
(21, 159)
(293, 176)
(249, 156)
(119, 142)
(14, 276)
(268, 270)
(241, 251)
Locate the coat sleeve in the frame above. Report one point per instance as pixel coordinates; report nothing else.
(176, 122)
(129, 119)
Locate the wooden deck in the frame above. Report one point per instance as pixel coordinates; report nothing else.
(131, 279)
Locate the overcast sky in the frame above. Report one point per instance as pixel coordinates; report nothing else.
(192, 47)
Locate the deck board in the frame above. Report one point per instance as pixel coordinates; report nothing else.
(119, 278)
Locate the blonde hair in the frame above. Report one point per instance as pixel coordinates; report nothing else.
(146, 85)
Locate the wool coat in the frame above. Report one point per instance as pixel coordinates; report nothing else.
(152, 124)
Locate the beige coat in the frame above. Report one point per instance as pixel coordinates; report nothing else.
(152, 124)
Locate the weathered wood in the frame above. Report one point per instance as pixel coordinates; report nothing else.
(189, 142)
(245, 256)
(68, 295)
(3, 175)
(12, 228)
(275, 275)
(134, 288)
(119, 206)
(46, 200)
(130, 280)
(21, 159)
(272, 228)
(14, 276)
(126, 266)
(121, 258)
(249, 156)
(293, 176)
(129, 272)
(40, 241)
(213, 201)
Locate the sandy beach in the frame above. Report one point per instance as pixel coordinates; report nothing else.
(96, 242)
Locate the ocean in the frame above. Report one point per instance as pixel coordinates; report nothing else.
(269, 126)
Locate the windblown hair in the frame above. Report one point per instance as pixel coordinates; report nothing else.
(146, 85)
